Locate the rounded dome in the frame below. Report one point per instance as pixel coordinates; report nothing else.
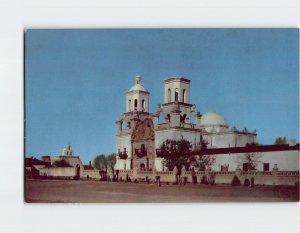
(138, 86)
(213, 122)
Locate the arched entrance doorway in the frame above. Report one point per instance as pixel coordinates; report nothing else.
(247, 182)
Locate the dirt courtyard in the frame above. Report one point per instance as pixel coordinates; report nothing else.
(50, 191)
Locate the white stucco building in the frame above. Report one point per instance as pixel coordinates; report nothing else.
(139, 132)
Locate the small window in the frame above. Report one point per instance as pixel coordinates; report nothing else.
(169, 95)
(183, 96)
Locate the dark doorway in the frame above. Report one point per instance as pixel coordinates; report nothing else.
(252, 182)
(247, 182)
(77, 176)
(266, 167)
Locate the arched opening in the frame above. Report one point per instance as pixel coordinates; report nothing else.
(143, 105)
(176, 94)
(193, 118)
(160, 118)
(182, 118)
(169, 95)
(183, 96)
(247, 182)
(135, 104)
(168, 118)
(129, 105)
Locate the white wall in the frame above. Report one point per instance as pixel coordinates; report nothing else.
(285, 160)
(58, 171)
(223, 140)
(176, 134)
(124, 141)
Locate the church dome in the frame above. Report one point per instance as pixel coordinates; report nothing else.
(212, 121)
(138, 86)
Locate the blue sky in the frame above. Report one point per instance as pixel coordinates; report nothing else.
(75, 81)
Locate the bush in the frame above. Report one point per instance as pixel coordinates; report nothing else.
(236, 181)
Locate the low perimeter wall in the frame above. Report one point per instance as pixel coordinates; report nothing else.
(259, 178)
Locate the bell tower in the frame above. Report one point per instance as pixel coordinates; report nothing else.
(177, 90)
(137, 98)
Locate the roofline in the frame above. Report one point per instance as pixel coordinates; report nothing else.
(246, 149)
(174, 79)
(178, 104)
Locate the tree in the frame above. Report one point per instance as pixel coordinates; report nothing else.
(202, 161)
(111, 160)
(280, 141)
(100, 162)
(176, 153)
(251, 159)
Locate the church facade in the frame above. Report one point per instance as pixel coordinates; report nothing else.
(139, 133)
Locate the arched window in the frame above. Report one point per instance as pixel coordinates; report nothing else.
(143, 105)
(183, 96)
(169, 95)
(176, 94)
(129, 105)
(135, 103)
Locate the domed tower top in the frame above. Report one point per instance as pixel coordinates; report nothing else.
(137, 98)
(138, 85)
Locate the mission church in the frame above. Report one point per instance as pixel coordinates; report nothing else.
(141, 133)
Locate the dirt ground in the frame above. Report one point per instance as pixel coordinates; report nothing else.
(50, 191)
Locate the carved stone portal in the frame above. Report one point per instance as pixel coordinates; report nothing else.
(143, 145)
